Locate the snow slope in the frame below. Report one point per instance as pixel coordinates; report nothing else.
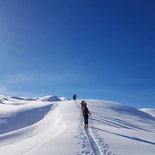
(126, 130)
(38, 127)
(149, 111)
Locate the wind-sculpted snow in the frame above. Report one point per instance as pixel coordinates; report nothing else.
(22, 98)
(149, 111)
(13, 120)
(48, 98)
(13, 100)
(38, 127)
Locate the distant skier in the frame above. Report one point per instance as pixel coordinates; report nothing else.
(85, 113)
(74, 97)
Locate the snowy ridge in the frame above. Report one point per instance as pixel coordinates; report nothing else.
(24, 117)
(48, 98)
(29, 127)
(13, 100)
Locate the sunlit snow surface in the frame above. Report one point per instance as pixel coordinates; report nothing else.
(48, 127)
(150, 111)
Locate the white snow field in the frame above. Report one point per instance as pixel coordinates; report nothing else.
(150, 111)
(39, 127)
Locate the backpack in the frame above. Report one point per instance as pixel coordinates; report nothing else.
(85, 110)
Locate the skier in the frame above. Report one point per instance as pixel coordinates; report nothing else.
(85, 113)
(74, 97)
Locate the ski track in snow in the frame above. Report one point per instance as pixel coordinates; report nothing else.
(89, 140)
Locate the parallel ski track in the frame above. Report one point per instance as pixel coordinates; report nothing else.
(98, 147)
(91, 139)
(93, 143)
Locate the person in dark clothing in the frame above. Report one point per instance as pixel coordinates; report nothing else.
(82, 103)
(74, 97)
(85, 112)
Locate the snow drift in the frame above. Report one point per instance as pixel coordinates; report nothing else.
(37, 126)
(150, 111)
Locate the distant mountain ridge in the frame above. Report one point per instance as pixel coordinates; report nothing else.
(50, 121)
(48, 98)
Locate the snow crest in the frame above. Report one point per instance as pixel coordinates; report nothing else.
(43, 126)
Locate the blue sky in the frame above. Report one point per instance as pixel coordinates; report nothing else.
(97, 49)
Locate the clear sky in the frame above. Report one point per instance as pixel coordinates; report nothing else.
(97, 49)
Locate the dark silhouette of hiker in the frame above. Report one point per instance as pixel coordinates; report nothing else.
(85, 113)
(74, 97)
(81, 104)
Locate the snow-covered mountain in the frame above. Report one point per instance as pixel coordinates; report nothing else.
(41, 127)
(21, 100)
(48, 98)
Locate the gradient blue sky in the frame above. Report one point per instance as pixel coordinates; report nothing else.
(98, 49)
